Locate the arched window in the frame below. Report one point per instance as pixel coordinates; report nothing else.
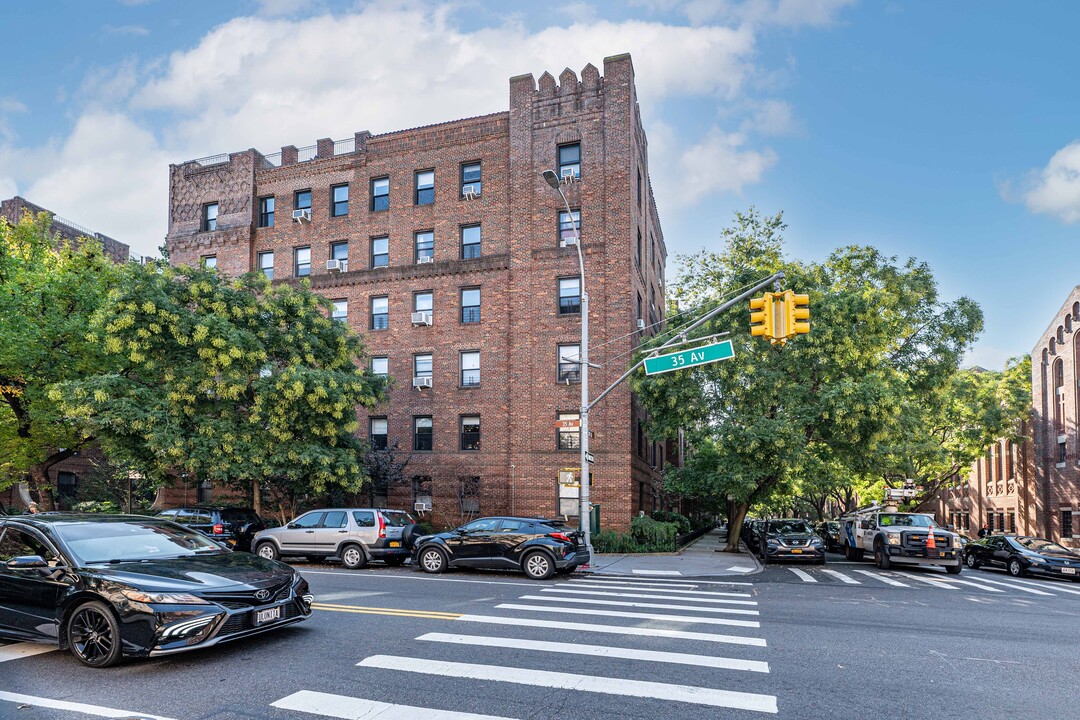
(1068, 324)
(1076, 311)
(1059, 396)
(1060, 335)
(1010, 460)
(1053, 346)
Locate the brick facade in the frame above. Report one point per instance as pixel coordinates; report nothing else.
(519, 396)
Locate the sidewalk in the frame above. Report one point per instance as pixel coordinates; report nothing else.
(701, 558)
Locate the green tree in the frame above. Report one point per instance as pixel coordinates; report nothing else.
(232, 380)
(764, 419)
(48, 293)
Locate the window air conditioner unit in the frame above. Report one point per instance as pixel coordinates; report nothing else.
(469, 192)
(422, 507)
(337, 265)
(421, 382)
(568, 175)
(421, 318)
(424, 259)
(640, 324)
(301, 216)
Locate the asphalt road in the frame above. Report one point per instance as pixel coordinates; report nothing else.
(839, 641)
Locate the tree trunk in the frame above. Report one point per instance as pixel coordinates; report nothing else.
(735, 527)
(256, 497)
(41, 486)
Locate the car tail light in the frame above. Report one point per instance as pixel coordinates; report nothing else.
(219, 529)
(382, 525)
(560, 536)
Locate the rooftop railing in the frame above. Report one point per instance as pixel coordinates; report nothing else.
(306, 153)
(212, 160)
(344, 147)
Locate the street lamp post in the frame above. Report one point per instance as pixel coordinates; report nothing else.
(585, 507)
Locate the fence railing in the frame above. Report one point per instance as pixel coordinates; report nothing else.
(212, 160)
(305, 154)
(273, 159)
(344, 147)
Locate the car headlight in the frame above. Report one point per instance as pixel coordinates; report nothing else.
(163, 598)
(815, 541)
(894, 539)
(1036, 559)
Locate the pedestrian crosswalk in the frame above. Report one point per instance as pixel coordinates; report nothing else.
(627, 638)
(922, 578)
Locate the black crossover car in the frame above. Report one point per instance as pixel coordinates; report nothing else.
(234, 526)
(110, 586)
(791, 539)
(829, 532)
(536, 546)
(1021, 554)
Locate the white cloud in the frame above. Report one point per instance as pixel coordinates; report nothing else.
(1055, 190)
(721, 162)
(771, 118)
(125, 29)
(784, 13)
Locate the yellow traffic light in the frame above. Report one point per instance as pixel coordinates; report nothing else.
(761, 316)
(797, 310)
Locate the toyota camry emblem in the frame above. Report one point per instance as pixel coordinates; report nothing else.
(262, 594)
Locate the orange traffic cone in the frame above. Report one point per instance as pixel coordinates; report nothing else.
(931, 544)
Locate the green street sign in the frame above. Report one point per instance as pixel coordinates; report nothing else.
(689, 358)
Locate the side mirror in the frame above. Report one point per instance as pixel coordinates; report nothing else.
(291, 526)
(950, 528)
(27, 561)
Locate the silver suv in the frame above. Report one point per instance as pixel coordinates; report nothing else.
(352, 535)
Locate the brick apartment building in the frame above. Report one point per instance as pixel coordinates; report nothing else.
(443, 246)
(67, 473)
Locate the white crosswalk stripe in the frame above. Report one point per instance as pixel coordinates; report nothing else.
(691, 619)
(1056, 587)
(882, 578)
(630, 582)
(570, 681)
(21, 650)
(613, 629)
(721, 663)
(931, 581)
(341, 706)
(1021, 588)
(562, 590)
(706, 593)
(654, 581)
(803, 575)
(953, 580)
(654, 606)
(841, 577)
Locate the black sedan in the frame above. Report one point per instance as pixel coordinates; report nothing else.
(1022, 554)
(232, 526)
(791, 540)
(538, 547)
(829, 532)
(113, 586)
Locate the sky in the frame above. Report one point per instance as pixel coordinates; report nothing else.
(947, 132)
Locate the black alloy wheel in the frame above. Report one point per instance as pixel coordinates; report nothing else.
(972, 561)
(267, 550)
(94, 635)
(881, 556)
(1015, 568)
(432, 560)
(954, 569)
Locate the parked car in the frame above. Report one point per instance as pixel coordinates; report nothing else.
(792, 539)
(538, 547)
(1022, 554)
(233, 526)
(751, 533)
(829, 532)
(113, 586)
(352, 535)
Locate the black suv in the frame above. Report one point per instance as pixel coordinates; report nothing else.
(232, 526)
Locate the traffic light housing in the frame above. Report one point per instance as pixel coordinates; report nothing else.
(797, 312)
(761, 316)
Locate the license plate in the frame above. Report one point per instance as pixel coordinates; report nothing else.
(395, 543)
(797, 551)
(267, 615)
(1068, 571)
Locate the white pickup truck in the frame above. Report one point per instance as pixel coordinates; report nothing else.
(900, 538)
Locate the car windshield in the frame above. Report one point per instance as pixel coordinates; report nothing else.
(239, 515)
(1040, 545)
(900, 520)
(397, 518)
(788, 527)
(103, 542)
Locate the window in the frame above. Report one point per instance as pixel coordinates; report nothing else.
(470, 242)
(423, 301)
(340, 251)
(470, 305)
(341, 311)
(209, 261)
(569, 363)
(570, 160)
(422, 434)
(335, 519)
(209, 217)
(425, 187)
(470, 178)
(380, 194)
(380, 365)
(17, 543)
(569, 431)
(380, 313)
(470, 368)
(380, 252)
(422, 365)
(1012, 522)
(568, 221)
(569, 296)
(67, 485)
(311, 520)
(421, 487)
(425, 246)
(339, 200)
(266, 211)
(1061, 456)
(303, 261)
(641, 439)
(639, 253)
(639, 188)
(470, 432)
(266, 264)
(1059, 397)
(302, 200)
(377, 433)
(1066, 523)
(364, 518)
(469, 495)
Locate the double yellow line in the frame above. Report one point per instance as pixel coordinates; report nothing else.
(429, 614)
